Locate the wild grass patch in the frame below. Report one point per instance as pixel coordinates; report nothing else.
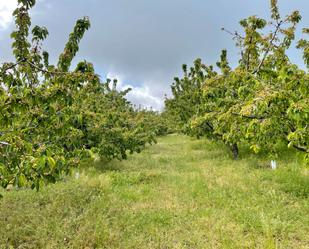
(180, 193)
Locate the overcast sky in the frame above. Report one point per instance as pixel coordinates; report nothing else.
(143, 43)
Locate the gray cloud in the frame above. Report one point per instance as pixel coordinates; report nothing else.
(145, 42)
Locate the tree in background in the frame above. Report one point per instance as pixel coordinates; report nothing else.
(261, 102)
(52, 118)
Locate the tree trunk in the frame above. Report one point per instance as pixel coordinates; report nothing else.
(234, 149)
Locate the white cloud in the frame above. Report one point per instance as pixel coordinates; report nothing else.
(6, 9)
(140, 96)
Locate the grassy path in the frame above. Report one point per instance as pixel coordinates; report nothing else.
(180, 193)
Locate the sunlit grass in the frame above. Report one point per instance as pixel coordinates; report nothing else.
(180, 193)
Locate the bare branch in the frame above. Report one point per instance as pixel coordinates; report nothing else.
(235, 34)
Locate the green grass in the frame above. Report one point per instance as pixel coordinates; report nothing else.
(180, 193)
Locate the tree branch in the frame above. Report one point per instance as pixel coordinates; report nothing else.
(248, 116)
(14, 65)
(269, 47)
(300, 148)
(248, 56)
(234, 34)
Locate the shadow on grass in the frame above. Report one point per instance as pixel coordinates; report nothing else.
(283, 153)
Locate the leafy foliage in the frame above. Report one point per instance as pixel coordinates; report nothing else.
(52, 118)
(261, 102)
